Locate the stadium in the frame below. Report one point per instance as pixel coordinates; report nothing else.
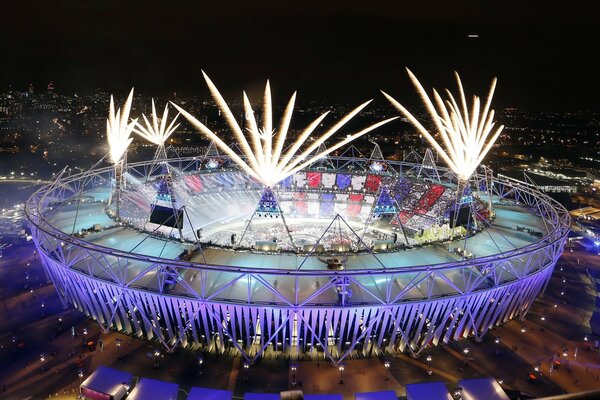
(334, 257)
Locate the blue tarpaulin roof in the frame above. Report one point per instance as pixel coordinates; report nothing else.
(198, 393)
(262, 396)
(148, 388)
(323, 397)
(383, 395)
(427, 391)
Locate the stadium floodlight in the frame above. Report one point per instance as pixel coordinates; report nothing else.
(265, 159)
(156, 131)
(119, 129)
(467, 134)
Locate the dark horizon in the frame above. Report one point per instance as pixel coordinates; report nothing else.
(330, 52)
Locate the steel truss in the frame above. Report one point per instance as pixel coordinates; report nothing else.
(255, 311)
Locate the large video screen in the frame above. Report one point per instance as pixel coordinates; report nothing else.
(166, 216)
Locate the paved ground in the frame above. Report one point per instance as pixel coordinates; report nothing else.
(35, 323)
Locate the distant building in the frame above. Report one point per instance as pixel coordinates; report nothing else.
(546, 183)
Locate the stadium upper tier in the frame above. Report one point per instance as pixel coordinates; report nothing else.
(333, 206)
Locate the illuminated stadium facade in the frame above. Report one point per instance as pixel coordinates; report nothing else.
(387, 296)
(283, 248)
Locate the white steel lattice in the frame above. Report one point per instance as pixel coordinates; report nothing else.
(259, 310)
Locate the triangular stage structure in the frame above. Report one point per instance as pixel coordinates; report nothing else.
(158, 162)
(376, 154)
(212, 151)
(376, 159)
(351, 159)
(428, 169)
(267, 208)
(413, 157)
(386, 206)
(338, 238)
(352, 152)
(322, 163)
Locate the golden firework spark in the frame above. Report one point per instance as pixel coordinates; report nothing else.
(467, 134)
(265, 159)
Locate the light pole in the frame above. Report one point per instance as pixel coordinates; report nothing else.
(387, 370)
(200, 362)
(429, 359)
(118, 343)
(156, 355)
(246, 367)
(466, 352)
(341, 368)
(42, 359)
(80, 375)
(293, 367)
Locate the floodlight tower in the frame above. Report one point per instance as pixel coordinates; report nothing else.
(467, 134)
(118, 134)
(157, 132)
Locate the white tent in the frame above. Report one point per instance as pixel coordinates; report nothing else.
(106, 383)
(482, 388)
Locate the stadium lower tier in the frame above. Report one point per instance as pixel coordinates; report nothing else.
(307, 331)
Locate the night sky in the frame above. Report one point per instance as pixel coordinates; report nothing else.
(543, 53)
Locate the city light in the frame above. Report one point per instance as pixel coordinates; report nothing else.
(467, 134)
(157, 131)
(119, 128)
(265, 157)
